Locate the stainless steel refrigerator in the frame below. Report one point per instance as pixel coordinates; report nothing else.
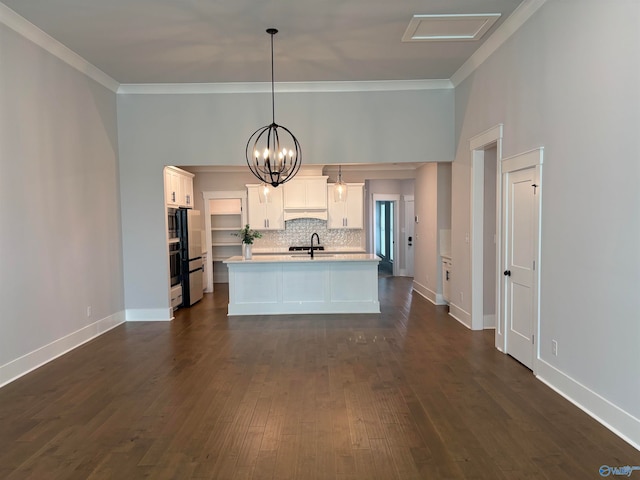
(189, 233)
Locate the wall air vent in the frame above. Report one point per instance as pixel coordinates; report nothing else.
(446, 28)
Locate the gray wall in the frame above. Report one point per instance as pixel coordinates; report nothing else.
(60, 246)
(568, 80)
(212, 129)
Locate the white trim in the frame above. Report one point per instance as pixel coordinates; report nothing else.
(284, 87)
(304, 308)
(428, 294)
(45, 41)
(149, 314)
(477, 145)
(214, 277)
(384, 197)
(530, 159)
(460, 315)
(409, 222)
(519, 16)
(418, 22)
(21, 366)
(487, 137)
(620, 422)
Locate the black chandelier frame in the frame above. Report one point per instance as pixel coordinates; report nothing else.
(273, 153)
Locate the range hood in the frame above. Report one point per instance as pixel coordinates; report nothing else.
(305, 196)
(292, 214)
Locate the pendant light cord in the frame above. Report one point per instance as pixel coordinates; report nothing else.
(273, 102)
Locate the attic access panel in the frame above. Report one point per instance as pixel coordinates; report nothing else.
(458, 27)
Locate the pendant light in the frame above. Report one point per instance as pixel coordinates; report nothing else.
(273, 153)
(264, 193)
(339, 188)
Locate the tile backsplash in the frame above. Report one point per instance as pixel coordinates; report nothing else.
(299, 231)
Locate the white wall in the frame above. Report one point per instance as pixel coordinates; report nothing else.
(568, 80)
(212, 129)
(433, 209)
(60, 242)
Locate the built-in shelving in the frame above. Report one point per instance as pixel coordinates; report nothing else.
(225, 215)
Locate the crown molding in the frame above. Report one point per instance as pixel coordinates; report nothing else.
(519, 16)
(284, 87)
(29, 31)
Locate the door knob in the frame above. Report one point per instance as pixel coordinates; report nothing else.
(507, 273)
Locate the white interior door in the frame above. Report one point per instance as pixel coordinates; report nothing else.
(521, 216)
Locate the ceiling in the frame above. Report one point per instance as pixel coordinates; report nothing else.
(216, 41)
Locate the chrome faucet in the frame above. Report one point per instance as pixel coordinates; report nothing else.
(311, 249)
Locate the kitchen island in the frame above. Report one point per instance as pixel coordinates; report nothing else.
(297, 283)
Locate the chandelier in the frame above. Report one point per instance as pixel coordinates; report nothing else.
(273, 153)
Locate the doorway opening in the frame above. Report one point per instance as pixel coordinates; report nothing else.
(486, 155)
(385, 229)
(384, 238)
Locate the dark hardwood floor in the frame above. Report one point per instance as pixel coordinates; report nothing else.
(408, 394)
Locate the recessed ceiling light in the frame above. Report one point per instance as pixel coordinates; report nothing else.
(439, 28)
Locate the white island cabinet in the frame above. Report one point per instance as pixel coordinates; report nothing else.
(285, 284)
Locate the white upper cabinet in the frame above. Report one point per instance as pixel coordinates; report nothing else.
(347, 214)
(305, 193)
(305, 197)
(265, 216)
(178, 188)
(186, 191)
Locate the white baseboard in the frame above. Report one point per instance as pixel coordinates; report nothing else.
(489, 321)
(149, 314)
(32, 360)
(430, 295)
(623, 424)
(460, 315)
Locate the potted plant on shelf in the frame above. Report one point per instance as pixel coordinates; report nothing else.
(248, 236)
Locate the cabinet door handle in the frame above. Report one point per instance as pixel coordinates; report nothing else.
(507, 273)
(188, 199)
(447, 275)
(173, 197)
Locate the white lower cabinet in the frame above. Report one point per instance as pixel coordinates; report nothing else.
(347, 214)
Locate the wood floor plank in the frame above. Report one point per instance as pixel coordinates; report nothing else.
(409, 393)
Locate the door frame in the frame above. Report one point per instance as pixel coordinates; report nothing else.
(521, 161)
(395, 198)
(484, 141)
(408, 270)
(206, 211)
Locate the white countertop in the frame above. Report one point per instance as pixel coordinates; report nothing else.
(285, 250)
(306, 258)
